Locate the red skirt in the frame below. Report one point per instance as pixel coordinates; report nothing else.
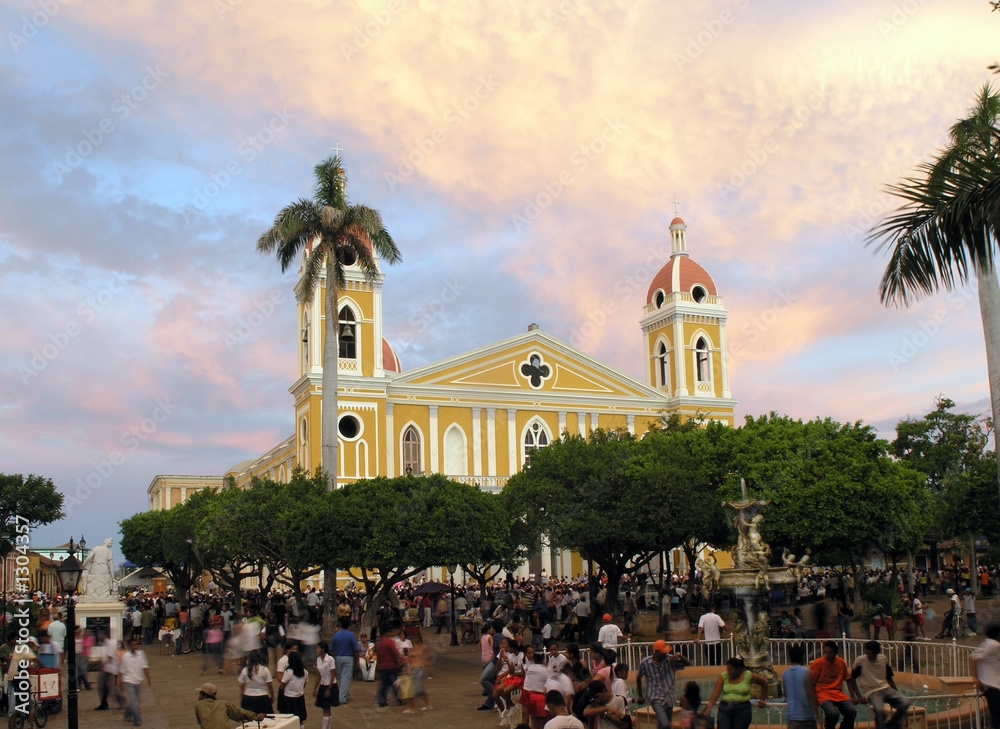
(534, 703)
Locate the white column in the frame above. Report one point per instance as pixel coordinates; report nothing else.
(680, 357)
(514, 446)
(184, 494)
(723, 358)
(377, 330)
(631, 424)
(390, 442)
(581, 423)
(593, 421)
(567, 563)
(477, 443)
(562, 423)
(434, 467)
(546, 557)
(491, 441)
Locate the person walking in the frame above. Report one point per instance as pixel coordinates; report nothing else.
(985, 664)
(489, 647)
(710, 629)
(969, 608)
(256, 686)
(388, 664)
(108, 682)
(829, 673)
(293, 687)
(325, 690)
(659, 671)
(345, 650)
(133, 669)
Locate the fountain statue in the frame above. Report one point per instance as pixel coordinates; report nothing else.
(750, 579)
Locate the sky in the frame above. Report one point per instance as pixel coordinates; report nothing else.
(526, 157)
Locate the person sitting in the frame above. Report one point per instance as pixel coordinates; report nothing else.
(214, 714)
(367, 662)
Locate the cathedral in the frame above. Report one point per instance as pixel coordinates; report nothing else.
(475, 417)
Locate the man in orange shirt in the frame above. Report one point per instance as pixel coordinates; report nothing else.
(831, 672)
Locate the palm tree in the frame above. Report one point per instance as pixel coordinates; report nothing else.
(335, 235)
(946, 231)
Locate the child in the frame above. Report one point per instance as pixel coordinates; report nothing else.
(619, 685)
(690, 704)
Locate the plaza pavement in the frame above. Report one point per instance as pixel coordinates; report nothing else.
(454, 689)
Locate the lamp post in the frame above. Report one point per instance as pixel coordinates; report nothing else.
(69, 577)
(189, 543)
(451, 577)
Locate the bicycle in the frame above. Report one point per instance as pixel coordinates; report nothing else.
(37, 716)
(958, 626)
(191, 640)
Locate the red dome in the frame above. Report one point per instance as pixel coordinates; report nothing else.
(677, 221)
(691, 275)
(390, 362)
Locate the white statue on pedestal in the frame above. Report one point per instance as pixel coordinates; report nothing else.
(98, 583)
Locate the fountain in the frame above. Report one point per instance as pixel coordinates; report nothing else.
(750, 579)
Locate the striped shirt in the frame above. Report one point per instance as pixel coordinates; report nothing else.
(659, 680)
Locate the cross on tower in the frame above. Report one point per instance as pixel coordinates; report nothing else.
(336, 148)
(677, 205)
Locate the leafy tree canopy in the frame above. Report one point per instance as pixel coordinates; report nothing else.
(31, 500)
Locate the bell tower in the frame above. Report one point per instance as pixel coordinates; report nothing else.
(684, 331)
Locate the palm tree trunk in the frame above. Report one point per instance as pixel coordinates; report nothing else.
(331, 466)
(989, 309)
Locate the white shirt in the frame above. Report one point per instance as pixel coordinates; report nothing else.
(294, 685)
(57, 631)
(564, 722)
(988, 663)
(608, 635)
(109, 657)
(282, 665)
(534, 677)
(712, 626)
(326, 666)
(555, 663)
(256, 686)
(559, 682)
(133, 667)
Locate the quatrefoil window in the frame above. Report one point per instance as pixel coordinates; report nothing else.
(535, 371)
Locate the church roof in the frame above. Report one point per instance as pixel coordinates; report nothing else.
(390, 360)
(688, 275)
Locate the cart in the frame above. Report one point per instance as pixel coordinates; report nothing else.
(47, 683)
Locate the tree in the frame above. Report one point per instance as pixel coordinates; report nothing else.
(145, 537)
(833, 487)
(386, 530)
(335, 234)
(590, 494)
(945, 233)
(31, 501)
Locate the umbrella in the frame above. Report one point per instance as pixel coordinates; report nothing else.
(431, 588)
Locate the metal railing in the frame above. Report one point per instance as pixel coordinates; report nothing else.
(927, 658)
(941, 711)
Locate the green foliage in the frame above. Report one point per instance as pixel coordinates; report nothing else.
(881, 598)
(31, 500)
(833, 487)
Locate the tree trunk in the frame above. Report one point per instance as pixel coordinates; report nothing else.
(989, 310)
(331, 466)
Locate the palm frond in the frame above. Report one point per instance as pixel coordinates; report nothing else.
(294, 226)
(331, 183)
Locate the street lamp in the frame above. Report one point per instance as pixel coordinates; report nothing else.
(189, 543)
(452, 568)
(69, 577)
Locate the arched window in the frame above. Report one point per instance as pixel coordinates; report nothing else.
(411, 452)
(534, 437)
(346, 334)
(304, 444)
(703, 370)
(456, 452)
(305, 339)
(662, 366)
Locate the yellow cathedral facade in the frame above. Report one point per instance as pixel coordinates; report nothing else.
(475, 417)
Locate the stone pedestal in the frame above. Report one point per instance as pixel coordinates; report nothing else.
(101, 616)
(646, 624)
